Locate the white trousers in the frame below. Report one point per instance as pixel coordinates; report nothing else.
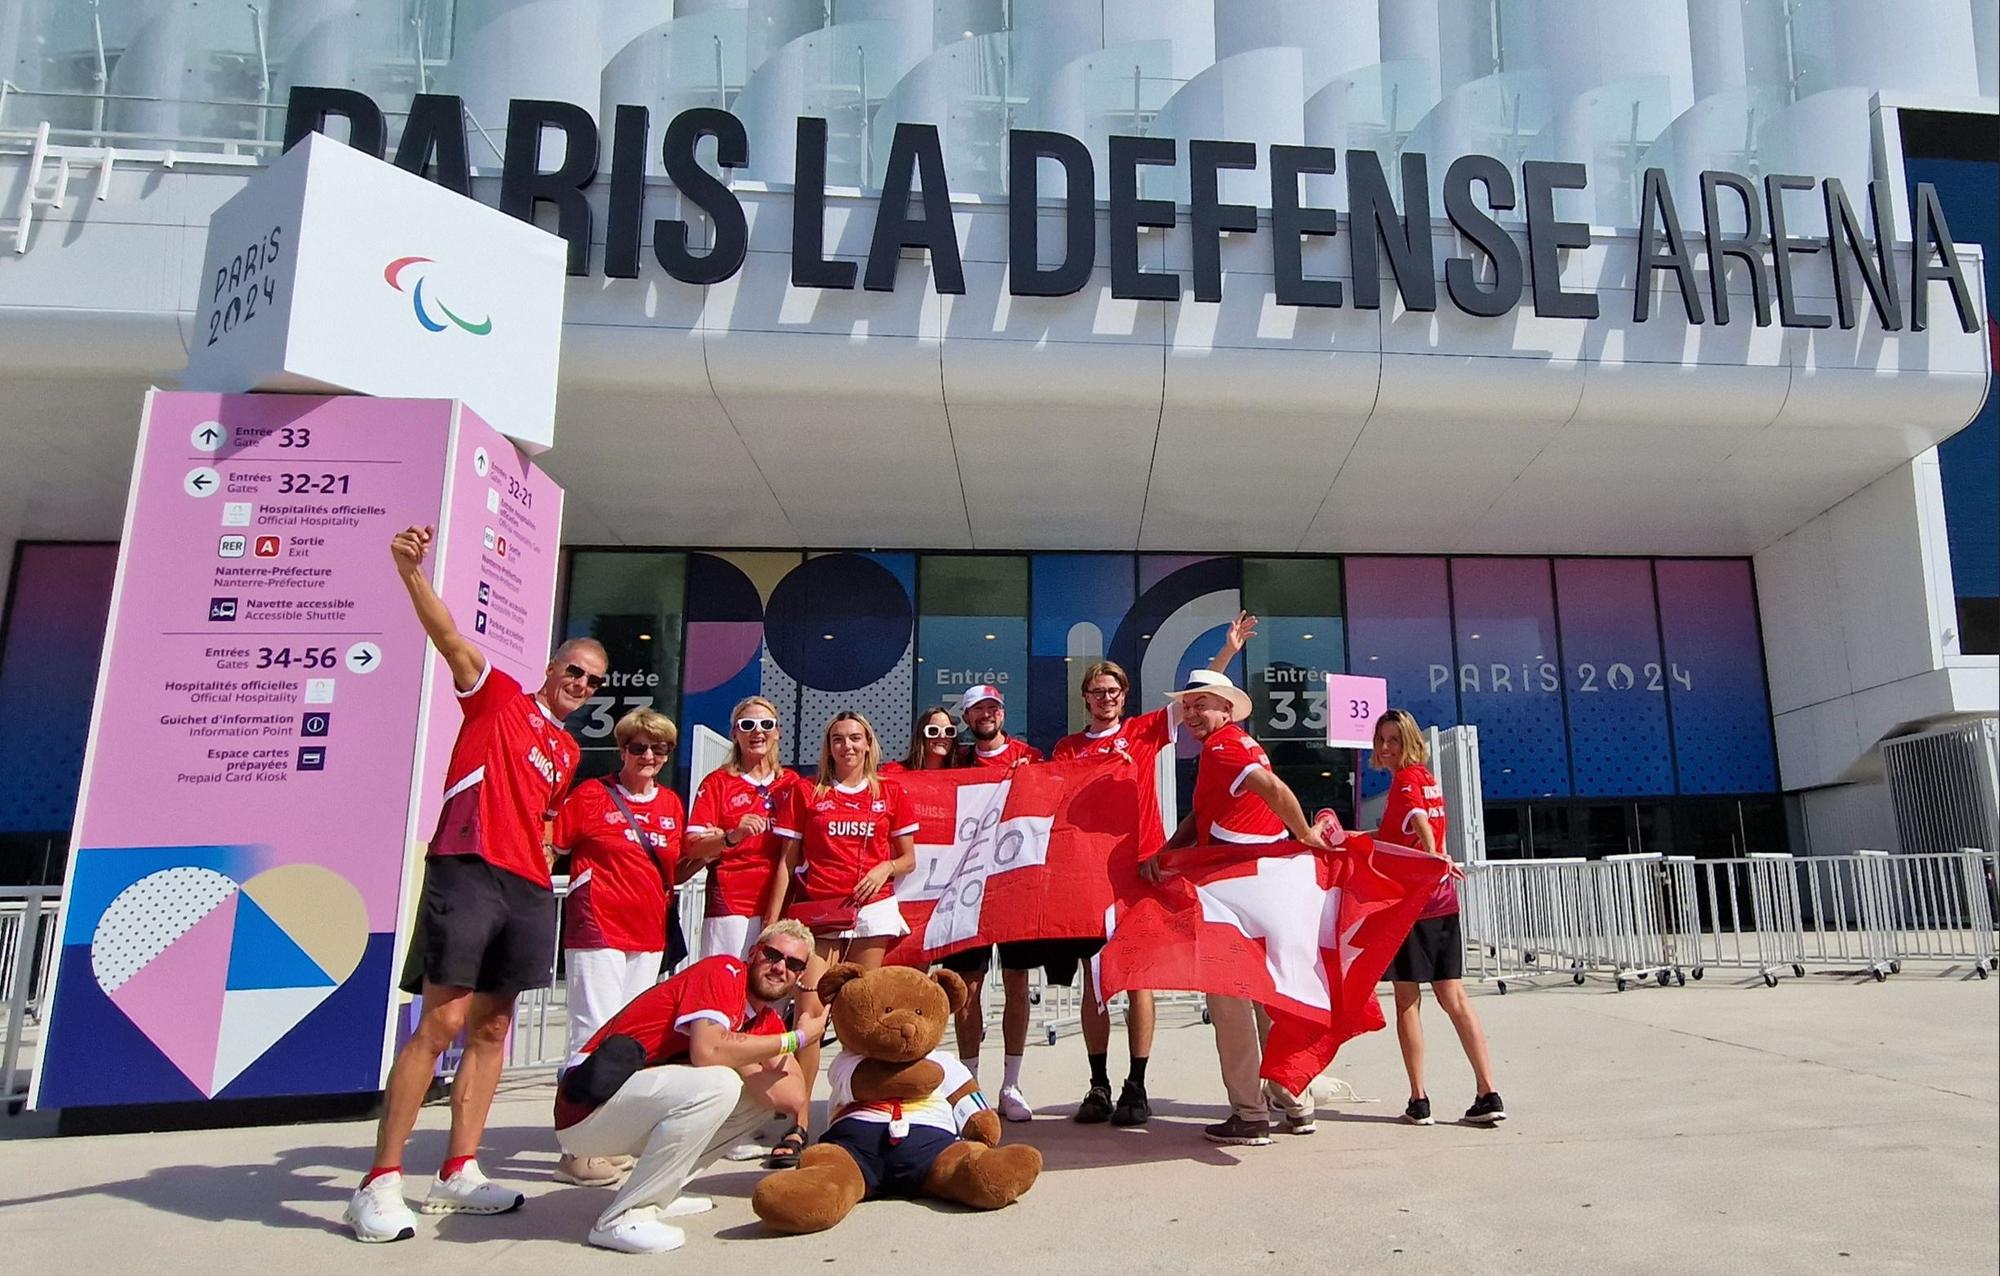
(600, 983)
(675, 1119)
(729, 936)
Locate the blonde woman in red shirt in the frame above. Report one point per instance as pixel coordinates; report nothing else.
(849, 835)
(1434, 952)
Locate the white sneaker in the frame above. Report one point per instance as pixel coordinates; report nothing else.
(470, 1192)
(685, 1206)
(747, 1152)
(378, 1212)
(639, 1231)
(1014, 1104)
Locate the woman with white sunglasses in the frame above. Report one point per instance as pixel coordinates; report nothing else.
(933, 742)
(729, 829)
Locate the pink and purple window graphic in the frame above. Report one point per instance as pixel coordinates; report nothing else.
(54, 636)
(213, 972)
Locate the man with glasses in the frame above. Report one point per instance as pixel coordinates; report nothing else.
(688, 1068)
(1105, 687)
(486, 922)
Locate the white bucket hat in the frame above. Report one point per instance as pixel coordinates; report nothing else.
(1208, 683)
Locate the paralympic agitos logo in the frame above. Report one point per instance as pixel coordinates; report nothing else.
(393, 274)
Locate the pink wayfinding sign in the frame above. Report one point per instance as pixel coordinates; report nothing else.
(269, 736)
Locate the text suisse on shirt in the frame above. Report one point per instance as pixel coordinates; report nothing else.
(844, 832)
(617, 895)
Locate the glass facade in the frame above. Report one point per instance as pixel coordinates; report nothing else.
(1621, 701)
(1610, 693)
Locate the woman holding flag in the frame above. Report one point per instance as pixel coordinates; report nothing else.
(1434, 953)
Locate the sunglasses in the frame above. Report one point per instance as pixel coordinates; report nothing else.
(640, 748)
(591, 680)
(932, 731)
(747, 725)
(797, 965)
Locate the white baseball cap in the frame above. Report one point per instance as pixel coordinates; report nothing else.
(973, 695)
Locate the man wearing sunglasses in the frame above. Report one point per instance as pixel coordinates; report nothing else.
(486, 922)
(685, 1071)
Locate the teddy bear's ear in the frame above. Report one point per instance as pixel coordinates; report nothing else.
(835, 979)
(954, 988)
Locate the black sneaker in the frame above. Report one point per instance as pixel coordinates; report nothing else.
(1096, 1106)
(1239, 1133)
(1486, 1110)
(1418, 1112)
(1133, 1109)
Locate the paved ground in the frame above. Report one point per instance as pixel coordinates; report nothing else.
(1821, 1126)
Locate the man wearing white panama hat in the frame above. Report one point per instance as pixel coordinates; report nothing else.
(1237, 799)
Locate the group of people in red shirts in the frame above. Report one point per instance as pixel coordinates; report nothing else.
(664, 1077)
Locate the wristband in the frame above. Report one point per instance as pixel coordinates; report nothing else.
(725, 839)
(788, 1043)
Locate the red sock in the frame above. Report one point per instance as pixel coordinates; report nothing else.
(453, 1165)
(378, 1172)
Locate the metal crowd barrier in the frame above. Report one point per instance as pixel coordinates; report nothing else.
(27, 961)
(1671, 918)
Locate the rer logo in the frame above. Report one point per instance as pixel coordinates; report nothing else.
(395, 273)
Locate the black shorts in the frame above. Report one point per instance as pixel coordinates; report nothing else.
(481, 928)
(890, 1169)
(1433, 950)
(1058, 958)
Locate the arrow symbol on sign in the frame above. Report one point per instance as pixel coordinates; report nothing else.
(363, 658)
(199, 480)
(210, 435)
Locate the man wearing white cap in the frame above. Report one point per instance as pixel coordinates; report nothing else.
(1237, 799)
(984, 711)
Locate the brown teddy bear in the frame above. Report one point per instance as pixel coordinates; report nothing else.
(908, 1119)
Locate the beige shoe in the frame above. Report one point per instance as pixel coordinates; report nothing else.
(587, 1171)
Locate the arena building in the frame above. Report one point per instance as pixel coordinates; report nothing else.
(1611, 377)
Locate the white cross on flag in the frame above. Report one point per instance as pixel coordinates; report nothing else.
(1306, 935)
(1028, 854)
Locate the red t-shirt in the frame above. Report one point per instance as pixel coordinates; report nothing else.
(716, 989)
(737, 882)
(510, 763)
(1142, 737)
(1016, 752)
(1224, 811)
(1414, 790)
(617, 897)
(844, 834)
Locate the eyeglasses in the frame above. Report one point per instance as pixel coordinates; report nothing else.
(1105, 693)
(747, 725)
(591, 680)
(797, 965)
(932, 731)
(640, 748)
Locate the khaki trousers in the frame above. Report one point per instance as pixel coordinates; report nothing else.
(675, 1119)
(1240, 1028)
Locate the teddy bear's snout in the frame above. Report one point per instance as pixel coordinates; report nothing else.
(910, 1029)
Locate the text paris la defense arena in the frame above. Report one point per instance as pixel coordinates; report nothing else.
(1612, 380)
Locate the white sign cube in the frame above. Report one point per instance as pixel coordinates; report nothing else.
(333, 271)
